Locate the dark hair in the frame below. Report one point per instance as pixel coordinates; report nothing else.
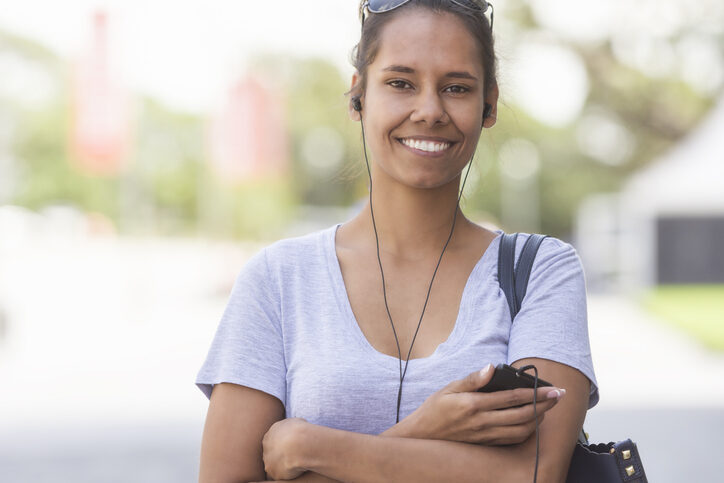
(474, 20)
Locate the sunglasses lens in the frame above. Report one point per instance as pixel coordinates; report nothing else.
(380, 6)
(478, 5)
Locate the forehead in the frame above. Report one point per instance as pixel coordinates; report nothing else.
(419, 38)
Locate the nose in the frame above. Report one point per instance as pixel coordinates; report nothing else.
(429, 108)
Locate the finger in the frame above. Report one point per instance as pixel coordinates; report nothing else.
(520, 397)
(513, 416)
(473, 381)
(545, 393)
(498, 433)
(515, 434)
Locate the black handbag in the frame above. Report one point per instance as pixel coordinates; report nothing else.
(591, 463)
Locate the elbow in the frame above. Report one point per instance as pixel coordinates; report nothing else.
(227, 477)
(552, 475)
(546, 474)
(230, 480)
(552, 465)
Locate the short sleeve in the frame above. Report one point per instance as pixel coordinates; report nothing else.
(553, 323)
(248, 347)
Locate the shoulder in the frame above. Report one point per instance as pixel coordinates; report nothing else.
(552, 251)
(300, 251)
(289, 259)
(284, 267)
(556, 264)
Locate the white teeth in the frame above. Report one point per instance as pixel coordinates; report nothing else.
(427, 146)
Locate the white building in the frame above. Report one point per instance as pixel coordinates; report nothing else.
(666, 226)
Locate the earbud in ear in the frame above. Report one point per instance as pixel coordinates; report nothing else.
(488, 109)
(356, 104)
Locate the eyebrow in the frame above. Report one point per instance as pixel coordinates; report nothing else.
(409, 70)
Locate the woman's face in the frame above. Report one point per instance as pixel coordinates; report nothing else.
(423, 102)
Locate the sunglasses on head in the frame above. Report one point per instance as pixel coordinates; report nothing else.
(382, 6)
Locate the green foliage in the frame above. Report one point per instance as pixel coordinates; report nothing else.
(657, 112)
(170, 188)
(315, 99)
(258, 209)
(30, 50)
(168, 164)
(696, 309)
(40, 142)
(48, 176)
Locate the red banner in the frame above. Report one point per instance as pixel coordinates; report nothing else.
(248, 137)
(100, 124)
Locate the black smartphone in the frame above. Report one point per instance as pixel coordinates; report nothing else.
(507, 377)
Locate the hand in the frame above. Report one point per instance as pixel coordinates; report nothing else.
(281, 449)
(458, 412)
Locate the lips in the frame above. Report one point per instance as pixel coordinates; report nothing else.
(426, 145)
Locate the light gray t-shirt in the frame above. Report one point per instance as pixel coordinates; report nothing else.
(289, 330)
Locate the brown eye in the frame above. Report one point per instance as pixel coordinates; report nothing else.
(399, 84)
(456, 89)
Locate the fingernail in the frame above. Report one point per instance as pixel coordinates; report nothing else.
(557, 394)
(485, 369)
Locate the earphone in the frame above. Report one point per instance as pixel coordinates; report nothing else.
(487, 110)
(357, 104)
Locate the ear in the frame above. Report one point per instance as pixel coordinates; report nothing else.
(354, 115)
(492, 98)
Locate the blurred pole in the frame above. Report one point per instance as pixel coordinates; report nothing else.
(519, 178)
(596, 231)
(8, 164)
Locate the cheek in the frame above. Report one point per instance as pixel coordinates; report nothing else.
(467, 118)
(387, 106)
(388, 111)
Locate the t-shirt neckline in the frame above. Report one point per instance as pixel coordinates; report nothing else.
(458, 331)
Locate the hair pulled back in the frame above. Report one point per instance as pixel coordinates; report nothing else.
(475, 21)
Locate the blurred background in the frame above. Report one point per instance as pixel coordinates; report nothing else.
(147, 149)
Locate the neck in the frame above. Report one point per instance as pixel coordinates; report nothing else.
(411, 223)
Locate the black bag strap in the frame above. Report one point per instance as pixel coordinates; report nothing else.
(506, 276)
(513, 278)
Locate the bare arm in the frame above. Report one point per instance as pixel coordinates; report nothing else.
(559, 432)
(236, 422)
(353, 457)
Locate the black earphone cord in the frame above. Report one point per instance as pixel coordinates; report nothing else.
(382, 272)
(535, 415)
(427, 297)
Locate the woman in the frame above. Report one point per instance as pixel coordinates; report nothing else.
(306, 365)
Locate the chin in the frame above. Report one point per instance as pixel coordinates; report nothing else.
(426, 183)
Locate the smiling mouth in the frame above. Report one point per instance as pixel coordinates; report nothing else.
(425, 145)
